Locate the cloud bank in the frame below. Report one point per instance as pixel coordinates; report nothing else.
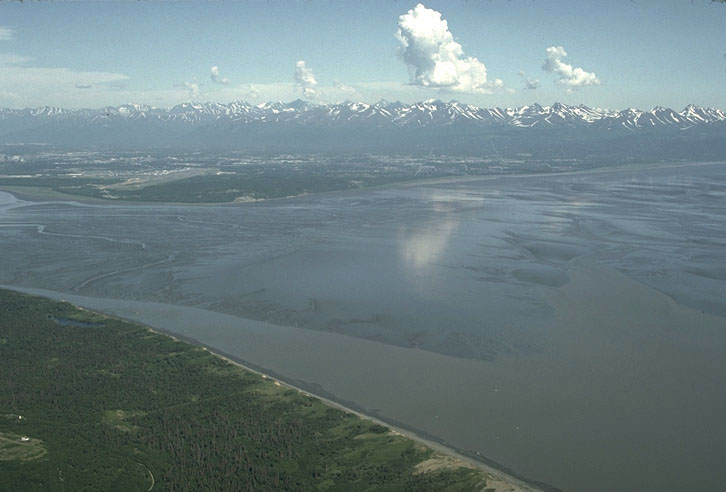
(434, 59)
(6, 34)
(25, 85)
(568, 75)
(305, 79)
(12, 59)
(217, 77)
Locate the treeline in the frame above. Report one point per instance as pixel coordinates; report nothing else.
(115, 404)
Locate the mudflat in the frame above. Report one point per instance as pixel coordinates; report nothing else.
(569, 327)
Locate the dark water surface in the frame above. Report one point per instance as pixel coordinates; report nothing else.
(570, 327)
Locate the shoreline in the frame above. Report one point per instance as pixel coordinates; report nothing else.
(32, 192)
(504, 477)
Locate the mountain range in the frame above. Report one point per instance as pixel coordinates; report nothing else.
(356, 126)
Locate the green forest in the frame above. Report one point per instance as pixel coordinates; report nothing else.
(94, 403)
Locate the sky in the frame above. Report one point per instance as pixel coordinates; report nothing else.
(608, 54)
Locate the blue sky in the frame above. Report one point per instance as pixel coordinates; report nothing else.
(639, 53)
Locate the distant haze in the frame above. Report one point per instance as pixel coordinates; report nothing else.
(546, 132)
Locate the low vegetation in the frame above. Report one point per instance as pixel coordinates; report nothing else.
(97, 403)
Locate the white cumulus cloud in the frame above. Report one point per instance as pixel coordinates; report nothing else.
(342, 92)
(530, 84)
(217, 77)
(344, 87)
(434, 59)
(193, 89)
(569, 76)
(305, 78)
(253, 91)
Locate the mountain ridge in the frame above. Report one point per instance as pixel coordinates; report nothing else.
(420, 113)
(356, 126)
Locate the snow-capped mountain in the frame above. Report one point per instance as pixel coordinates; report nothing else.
(241, 125)
(425, 113)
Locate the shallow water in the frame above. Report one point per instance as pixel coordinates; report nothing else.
(530, 319)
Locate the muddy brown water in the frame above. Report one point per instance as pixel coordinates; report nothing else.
(569, 327)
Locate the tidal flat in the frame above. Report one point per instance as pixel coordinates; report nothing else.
(569, 327)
